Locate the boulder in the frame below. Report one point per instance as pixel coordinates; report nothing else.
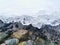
(29, 42)
(3, 36)
(13, 41)
(41, 41)
(22, 43)
(3, 44)
(20, 34)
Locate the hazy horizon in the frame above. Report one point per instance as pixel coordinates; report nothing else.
(29, 7)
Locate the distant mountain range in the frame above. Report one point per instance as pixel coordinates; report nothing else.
(36, 21)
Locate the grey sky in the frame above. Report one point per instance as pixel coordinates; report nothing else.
(28, 7)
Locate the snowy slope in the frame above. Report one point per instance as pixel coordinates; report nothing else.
(37, 21)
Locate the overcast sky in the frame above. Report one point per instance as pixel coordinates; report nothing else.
(28, 7)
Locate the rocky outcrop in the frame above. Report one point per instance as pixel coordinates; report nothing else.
(20, 34)
(14, 33)
(13, 41)
(3, 37)
(29, 42)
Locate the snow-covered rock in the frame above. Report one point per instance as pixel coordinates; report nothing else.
(36, 21)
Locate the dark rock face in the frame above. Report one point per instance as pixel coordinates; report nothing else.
(31, 28)
(11, 27)
(46, 31)
(50, 32)
(1, 23)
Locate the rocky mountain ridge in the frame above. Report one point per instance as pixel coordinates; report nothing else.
(46, 32)
(37, 21)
